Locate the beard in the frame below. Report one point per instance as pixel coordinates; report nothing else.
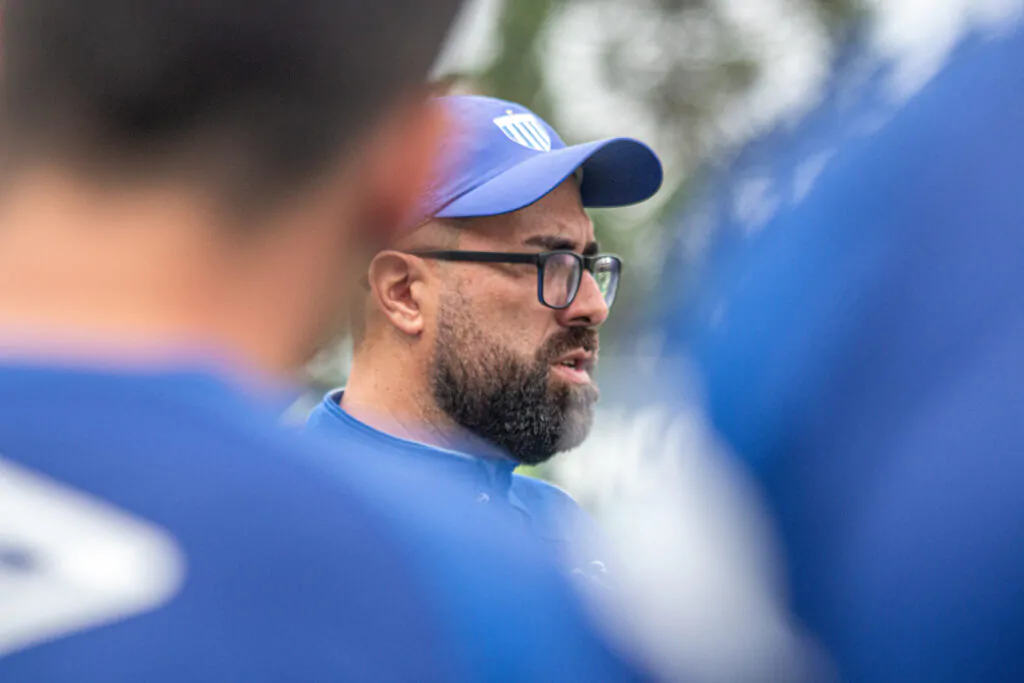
(511, 401)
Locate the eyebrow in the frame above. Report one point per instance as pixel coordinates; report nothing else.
(559, 243)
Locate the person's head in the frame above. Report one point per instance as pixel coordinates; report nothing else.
(215, 156)
(502, 334)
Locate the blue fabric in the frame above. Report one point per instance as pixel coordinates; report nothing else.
(494, 164)
(485, 486)
(289, 575)
(864, 354)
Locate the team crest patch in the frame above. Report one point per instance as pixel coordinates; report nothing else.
(525, 130)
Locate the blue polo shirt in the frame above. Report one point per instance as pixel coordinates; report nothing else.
(545, 512)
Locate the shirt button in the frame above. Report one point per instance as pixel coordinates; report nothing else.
(483, 498)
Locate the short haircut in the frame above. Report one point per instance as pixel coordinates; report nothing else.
(259, 95)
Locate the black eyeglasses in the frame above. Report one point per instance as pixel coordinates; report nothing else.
(559, 273)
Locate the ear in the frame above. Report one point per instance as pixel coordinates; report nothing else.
(399, 285)
(397, 167)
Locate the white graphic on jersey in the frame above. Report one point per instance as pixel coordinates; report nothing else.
(70, 562)
(525, 130)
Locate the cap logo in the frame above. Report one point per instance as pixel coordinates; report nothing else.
(525, 130)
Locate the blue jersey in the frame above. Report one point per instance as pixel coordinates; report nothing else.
(863, 352)
(540, 510)
(159, 527)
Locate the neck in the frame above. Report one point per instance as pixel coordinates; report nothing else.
(116, 275)
(394, 397)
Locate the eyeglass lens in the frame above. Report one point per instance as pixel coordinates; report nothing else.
(561, 279)
(562, 275)
(606, 274)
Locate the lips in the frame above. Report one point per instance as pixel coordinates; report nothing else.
(572, 354)
(575, 367)
(580, 360)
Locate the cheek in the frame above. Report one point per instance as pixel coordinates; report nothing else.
(514, 319)
(506, 310)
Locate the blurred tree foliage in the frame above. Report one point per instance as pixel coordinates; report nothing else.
(702, 59)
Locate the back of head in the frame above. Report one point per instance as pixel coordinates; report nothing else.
(256, 96)
(186, 169)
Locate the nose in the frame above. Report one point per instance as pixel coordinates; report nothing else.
(588, 309)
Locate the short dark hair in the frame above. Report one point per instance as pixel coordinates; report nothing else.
(260, 95)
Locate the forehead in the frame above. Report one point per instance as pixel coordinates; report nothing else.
(560, 213)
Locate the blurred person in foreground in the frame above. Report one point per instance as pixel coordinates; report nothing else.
(180, 184)
(864, 356)
(477, 335)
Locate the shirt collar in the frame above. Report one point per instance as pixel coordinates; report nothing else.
(499, 470)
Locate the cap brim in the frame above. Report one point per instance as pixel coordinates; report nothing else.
(616, 172)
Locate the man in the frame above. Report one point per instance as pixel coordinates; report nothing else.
(864, 354)
(180, 181)
(479, 330)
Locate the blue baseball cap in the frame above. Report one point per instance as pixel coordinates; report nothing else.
(502, 157)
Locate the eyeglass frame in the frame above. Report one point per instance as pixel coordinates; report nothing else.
(540, 260)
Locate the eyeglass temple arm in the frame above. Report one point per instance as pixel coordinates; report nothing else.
(478, 256)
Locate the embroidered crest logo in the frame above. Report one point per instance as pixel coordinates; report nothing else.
(525, 130)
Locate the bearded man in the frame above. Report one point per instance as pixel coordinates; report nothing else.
(477, 335)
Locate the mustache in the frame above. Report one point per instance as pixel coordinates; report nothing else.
(585, 338)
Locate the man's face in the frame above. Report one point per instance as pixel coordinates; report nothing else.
(506, 367)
